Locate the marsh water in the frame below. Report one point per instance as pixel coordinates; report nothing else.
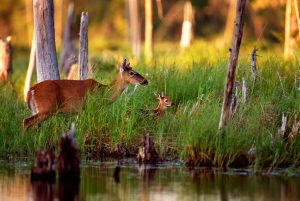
(166, 181)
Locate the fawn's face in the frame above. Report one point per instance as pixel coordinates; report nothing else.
(164, 101)
(130, 76)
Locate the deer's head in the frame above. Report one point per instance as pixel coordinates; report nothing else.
(164, 101)
(130, 76)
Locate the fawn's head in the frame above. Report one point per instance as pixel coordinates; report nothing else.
(164, 101)
(130, 76)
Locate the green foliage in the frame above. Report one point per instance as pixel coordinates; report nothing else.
(194, 81)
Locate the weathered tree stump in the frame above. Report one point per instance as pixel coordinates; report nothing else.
(254, 62)
(46, 60)
(147, 151)
(234, 54)
(83, 50)
(5, 58)
(68, 161)
(44, 166)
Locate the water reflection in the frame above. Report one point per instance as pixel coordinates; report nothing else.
(42, 190)
(99, 181)
(68, 190)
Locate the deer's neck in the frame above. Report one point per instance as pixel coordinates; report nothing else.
(160, 110)
(118, 86)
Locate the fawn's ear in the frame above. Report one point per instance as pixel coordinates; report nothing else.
(157, 95)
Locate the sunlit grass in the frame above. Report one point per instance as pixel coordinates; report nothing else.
(194, 80)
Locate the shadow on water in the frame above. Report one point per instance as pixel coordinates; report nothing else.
(131, 181)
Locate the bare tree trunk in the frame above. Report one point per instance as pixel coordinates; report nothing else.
(234, 54)
(29, 69)
(230, 21)
(297, 16)
(69, 52)
(5, 58)
(160, 10)
(135, 26)
(46, 60)
(187, 25)
(257, 23)
(29, 19)
(58, 19)
(83, 49)
(288, 10)
(148, 29)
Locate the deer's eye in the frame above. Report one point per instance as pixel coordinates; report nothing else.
(166, 100)
(131, 73)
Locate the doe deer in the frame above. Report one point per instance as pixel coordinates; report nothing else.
(66, 96)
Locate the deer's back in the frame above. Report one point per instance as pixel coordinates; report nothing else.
(60, 93)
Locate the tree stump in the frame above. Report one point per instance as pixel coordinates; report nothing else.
(68, 161)
(5, 58)
(83, 50)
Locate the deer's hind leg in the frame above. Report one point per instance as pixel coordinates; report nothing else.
(35, 119)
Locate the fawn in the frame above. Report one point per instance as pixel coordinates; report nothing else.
(164, 103)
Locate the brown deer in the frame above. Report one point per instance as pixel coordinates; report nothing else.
(67, 96)
(164, 102)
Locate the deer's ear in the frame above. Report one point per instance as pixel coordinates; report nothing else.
(157, 95)
(128, 66)
(123, 66)
(124, 63)
(121, 69)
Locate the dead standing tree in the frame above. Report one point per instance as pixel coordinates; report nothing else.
(148, 29)
(135, 26)
(230, 21)
(287, 35)
(234, 54)
(29, 69)
(46, 60)
(83, 50)
(253, 64)
(5, 58)
(69, 52)
(187, 25)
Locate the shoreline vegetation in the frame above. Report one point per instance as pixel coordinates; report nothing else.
(194, 80)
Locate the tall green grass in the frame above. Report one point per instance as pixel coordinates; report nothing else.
(194, 80)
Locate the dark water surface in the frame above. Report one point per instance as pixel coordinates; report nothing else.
(168, 181)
